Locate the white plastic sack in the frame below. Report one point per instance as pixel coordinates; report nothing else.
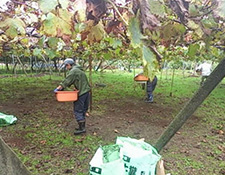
(107, 161)
(139, 157)
(6, 120)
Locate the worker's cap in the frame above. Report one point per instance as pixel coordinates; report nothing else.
(68, 61)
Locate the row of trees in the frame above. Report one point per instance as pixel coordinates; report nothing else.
(9, 64)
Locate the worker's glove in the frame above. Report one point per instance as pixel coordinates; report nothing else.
(55, 90)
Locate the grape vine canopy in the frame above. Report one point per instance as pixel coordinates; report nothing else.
(109, 29)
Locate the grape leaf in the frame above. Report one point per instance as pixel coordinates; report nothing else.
(191, 24)
(53, 42)
(209, 22)
(64, 3)
(199, 32)
(135, 32)
(80, 9)
(47, 5)
(107, 56)
(65, 15)
(193, 11)
(157, 7)
(96, 34)
(173, 30)
(50, 53)
(49, 25)
(66, 39)
(41, 41)
(37, 52)
(24, 41)
(13, 27)
(79, 27)
(31, 18)
(55, 26)
(115, 43)
(26, 52)
(11, 32)
(192, 50)
(64, 27)
(149, 62)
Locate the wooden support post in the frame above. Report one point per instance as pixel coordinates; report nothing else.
(9, 161)
(211, 82)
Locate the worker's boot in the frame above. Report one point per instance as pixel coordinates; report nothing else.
(149, 99)
(81, 128)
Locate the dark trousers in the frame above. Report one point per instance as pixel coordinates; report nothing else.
(81, 106)
(150, 86)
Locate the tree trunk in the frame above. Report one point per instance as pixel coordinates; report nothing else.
(23, 68)
(32, 64)
(183, 69)
(171, 88)
(6, 64)
(194, 69)
(90, 80)
(161, 74)
(55, 64)
(83, 65)
(99, 65)
(108, 65)
(167, 69)
(14, 68)
(211, 82)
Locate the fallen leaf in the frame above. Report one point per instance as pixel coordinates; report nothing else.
(39, 152)
(43, 142)
(78, 140)
(37, 125)
(38, 166)
(86, 150)
(222, 171)
(23, 152)
(116, 131)
(221, 148)
(205, 141)
(220, 132)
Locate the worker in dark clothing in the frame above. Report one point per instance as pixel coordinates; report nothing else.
(78, 78)
(150, 87)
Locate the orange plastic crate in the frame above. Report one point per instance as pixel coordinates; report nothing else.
(64, 96)
(141, 78)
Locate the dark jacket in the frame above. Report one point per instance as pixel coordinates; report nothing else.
(78, 78)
